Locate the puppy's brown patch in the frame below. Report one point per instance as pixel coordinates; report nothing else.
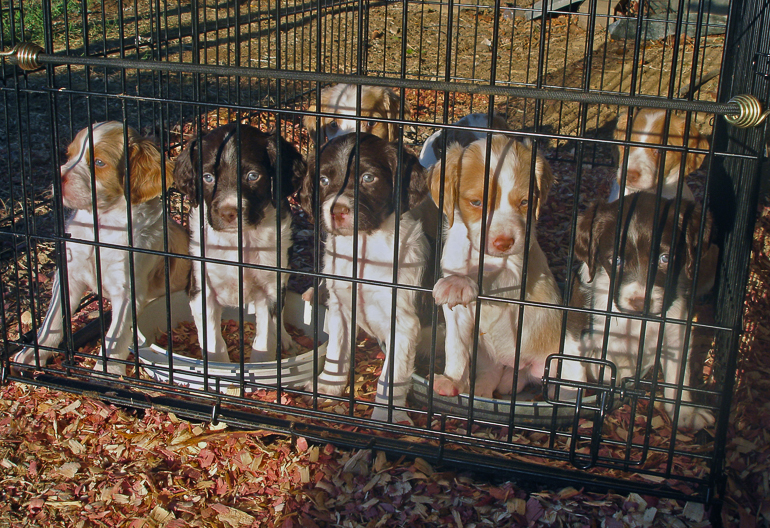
(377, 102)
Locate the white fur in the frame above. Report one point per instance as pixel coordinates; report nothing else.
(223, 288)
(374, 262)
(345, 98)
(643, 161)
(114, 264)
(498, 325)
(625, 335)
(114, 268)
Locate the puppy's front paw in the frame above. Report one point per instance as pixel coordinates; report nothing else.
(221, 356)
(333, 385)
(447, 386)
(381, 415)
(118, 369)
(26, 356)
(695, 419)
(455, 289)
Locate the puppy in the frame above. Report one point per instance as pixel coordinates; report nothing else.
(645, 164)
(212, 172)
(644, 240)
(375, 174)
(435, 144)
(378, 103)
(504, 244)
(107, 179)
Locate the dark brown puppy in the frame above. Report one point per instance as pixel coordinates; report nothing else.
(665, 245)
(368, 177)
(241, 178)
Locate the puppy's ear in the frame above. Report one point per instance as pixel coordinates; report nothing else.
(391, 105)
(144, 163)
(689, 222)
(695, 141)
(186, 172)
(620, 127)
(307, 186)
(451, 180)
(587, 235)
(292, 166)
(414, 183)
(544, 178)
(310, 121)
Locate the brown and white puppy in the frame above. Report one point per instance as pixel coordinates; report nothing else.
(361, 245)
(503, 230)
(377, 103)
(460, 133)
(235, 184)
(107, 179)
(646, 164)
(667, 243)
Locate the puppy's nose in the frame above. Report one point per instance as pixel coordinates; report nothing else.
(636, 303)
(633, 175)
(228, 213)
(502, 243)
(340, 209)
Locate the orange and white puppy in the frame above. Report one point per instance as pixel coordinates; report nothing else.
(110, 220)
(504, 244)
(461, 133)
(377, 103)
(645, 164)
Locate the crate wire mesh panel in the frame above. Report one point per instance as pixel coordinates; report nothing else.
(559, 76)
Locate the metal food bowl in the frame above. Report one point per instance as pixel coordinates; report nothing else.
(295, 371)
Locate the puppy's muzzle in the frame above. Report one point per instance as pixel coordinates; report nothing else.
(502, 243)
(224, 214)
(341, 215)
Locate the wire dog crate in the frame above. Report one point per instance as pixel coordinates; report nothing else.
(559, 72)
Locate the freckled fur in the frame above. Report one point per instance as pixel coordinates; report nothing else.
(217, 154)
(375, 251)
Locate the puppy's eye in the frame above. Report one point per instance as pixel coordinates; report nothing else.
(99, 163)
(323, 180)
(524, 203)
(368, 178)
(663, 260)
(475, 203)
(618, 261)
(208, 177)
(252, 176)
(371, 124)
(333, 125)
